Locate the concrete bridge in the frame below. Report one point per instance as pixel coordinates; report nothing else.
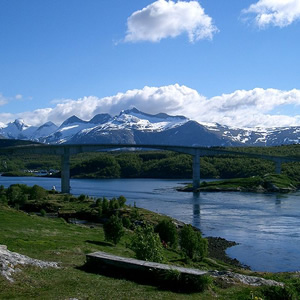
(64, 151)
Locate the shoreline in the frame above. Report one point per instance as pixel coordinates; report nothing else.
(217, 249)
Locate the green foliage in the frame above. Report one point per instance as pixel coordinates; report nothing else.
(37, 192)
(113, 229)
(130, 164)
(81, 197)
(277, 293)
(113, 204)
(105, 206)
(192, 244)
(102, 166)
(43, 213)
(147, 245)
(3, 199)
(126, 222)
(159, 164)
(167, 232)
(122, 201)
(15, 196)
(180, 282)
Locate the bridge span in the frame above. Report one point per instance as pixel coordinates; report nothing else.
(65, 150)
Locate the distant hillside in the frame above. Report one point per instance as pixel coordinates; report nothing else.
(11, 143)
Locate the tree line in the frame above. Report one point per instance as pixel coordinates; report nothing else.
(159, 164)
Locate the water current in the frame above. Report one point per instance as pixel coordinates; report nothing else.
(265, 226)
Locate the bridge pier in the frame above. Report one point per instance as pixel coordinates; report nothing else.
(65, 171)
(196, 170)
(277, 166)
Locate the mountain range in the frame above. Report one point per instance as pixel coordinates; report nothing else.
(135, 127)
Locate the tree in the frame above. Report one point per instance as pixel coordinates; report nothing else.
(113, 229)
(147, 245)
(192, 244)
(37, 192)
(167, 232)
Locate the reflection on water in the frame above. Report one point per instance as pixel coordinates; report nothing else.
(266, 226)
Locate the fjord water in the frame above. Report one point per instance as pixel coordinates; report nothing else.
(266, 226)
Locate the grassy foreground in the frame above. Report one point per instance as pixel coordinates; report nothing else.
(53, 239)
(56, 240)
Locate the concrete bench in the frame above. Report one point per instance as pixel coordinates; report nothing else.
(106, 261)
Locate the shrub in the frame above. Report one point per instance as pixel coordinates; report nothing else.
(37, 192)
(179, 282)
(147, 245)
(113, 229)
(105, 206)
(126, 222)
(3, 199)
(122, 201)
(192, 244)
(277, 293)
(43, 213)
(167, 232)
(81, 197)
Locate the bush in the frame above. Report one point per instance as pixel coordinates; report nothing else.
(147, 245)
(37, 193)
(43, 213)
(126, 222)
(81, 197)
(3, 199)
(122, 201)
(167, 232)
(179, 282)
(277, 293)
(192, 244)
(113, 229)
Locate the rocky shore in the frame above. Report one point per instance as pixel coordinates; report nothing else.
(217, 249)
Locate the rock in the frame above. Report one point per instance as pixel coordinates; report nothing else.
(9, 262)
(230, 277)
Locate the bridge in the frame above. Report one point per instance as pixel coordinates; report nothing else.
(65, 150)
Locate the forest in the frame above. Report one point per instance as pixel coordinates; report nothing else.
(156, 164)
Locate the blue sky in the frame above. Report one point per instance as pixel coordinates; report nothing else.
(233, 62)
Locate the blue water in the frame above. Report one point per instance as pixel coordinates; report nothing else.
(266, 226)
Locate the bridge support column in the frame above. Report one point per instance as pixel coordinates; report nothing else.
(65, 171)
(277, 166)
(196, 170)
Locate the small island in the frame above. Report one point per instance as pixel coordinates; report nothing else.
(269, 183)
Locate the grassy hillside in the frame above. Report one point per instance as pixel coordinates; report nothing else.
(53, 239)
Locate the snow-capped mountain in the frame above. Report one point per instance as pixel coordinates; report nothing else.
(22, 131)
(17, 130)
(136, 127)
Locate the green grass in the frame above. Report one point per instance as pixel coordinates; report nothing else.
(250, 184)
(55, 240)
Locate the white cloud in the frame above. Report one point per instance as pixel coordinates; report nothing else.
(242, 108)
(3, 100)
(163, 19)
(274, 12)
(19, 97)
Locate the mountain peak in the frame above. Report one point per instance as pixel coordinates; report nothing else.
(134, 111)
(72, 120)
(131, 110)
(100, 119)
(20, 124)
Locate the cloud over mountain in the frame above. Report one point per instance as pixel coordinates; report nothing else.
(163, 19)
(242, 108)
(274, 12)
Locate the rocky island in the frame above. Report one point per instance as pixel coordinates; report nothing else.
(269, 183)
